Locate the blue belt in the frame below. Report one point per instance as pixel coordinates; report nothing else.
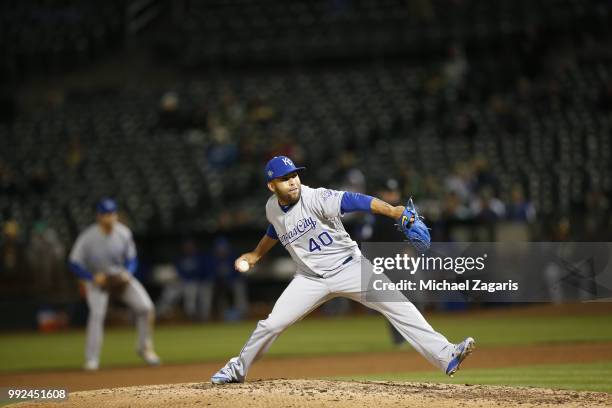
(347, 260)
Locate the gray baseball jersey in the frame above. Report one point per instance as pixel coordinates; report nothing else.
(97, 252)
(312, 232)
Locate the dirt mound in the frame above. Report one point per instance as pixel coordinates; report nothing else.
(319, 393)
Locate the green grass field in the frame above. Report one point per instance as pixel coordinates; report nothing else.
(184, 344)
(582, 377)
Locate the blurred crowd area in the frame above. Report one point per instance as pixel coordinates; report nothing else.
(46, 36)
(49, 35)
(486, 113)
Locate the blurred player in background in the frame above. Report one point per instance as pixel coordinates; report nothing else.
(193, 283)
(104, 257)
(230, 285)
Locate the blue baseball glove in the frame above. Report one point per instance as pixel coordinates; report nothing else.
(412, 226)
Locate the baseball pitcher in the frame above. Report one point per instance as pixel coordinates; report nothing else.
(104, 257)
(307, 222)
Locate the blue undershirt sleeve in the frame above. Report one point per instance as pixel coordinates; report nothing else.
(355, 202)
(79, 271)
(271, 232)
(131, 265)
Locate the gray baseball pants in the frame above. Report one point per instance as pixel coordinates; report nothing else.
(136, 297)
(304, 294)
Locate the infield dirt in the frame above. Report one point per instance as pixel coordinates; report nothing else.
(337, 394)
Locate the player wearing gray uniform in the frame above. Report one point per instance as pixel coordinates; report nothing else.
(104, 257)
(306, 221)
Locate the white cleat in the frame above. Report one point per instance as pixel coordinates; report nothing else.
(223, 377)
(462, 350)
(91, 365)
(150, 357)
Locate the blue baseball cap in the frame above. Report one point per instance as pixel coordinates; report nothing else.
(106, 206)
(280, 166)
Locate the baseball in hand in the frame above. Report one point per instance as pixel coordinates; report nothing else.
(243, 266)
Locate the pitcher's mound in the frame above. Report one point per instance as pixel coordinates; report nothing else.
(320, 393)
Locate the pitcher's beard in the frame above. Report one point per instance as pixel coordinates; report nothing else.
(290, 200)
